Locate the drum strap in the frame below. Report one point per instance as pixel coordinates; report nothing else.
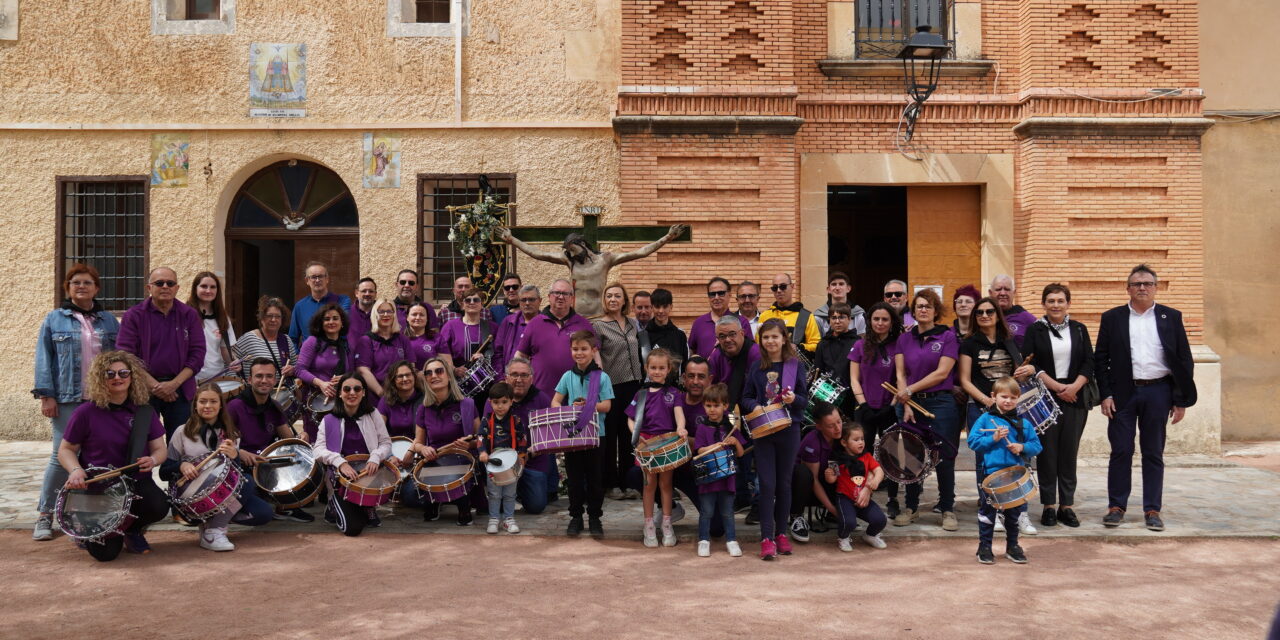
(468, 416)
(798, 331)
(484, 337)
(641, 396)
(645, 346)
(789, 372)
(138, 429)
(593, 397)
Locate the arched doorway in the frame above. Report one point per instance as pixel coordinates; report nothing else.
(284, 216)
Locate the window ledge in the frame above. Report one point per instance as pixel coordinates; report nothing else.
(161, 25)
(852, 68)
(398, 28)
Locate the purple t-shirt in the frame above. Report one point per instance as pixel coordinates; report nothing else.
(320, 360)
(165, 343)
(707, 436)
(702, 335)
(423, 349)
(532, 401)
(444, 422)
(1018, 323)
(874, 371)
(815, 448)
(694, 416)
(379, 354)
(358, 324)
(103, 434)
(257, 427)
(546, 342)
(460, 340)
(921, 355)
(659, 411)
(401, 418)
(721, 367)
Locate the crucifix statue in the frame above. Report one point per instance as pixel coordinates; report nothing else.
(588, 265)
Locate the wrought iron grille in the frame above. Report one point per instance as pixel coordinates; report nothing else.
(104, 224)
(432, 10)
(439, 260)
(883, 26)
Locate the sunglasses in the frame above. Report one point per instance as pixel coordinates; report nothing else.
(984, 312)
(164, 284)
(894, 294)
(352, 389)
(472, 300)
(510, 287)
(778, 287)
(434, 371)
(748, 296)
(717, 294)
(408, 283)
(123, 374)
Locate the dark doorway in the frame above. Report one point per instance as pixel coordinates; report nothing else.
(867, 237)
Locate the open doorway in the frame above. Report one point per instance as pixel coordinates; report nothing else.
(867, 237)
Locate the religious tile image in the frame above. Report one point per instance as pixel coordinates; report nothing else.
(381, 160)
(169, 159)
(277, 79)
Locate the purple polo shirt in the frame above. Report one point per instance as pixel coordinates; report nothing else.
(459, 339)
(1018, 321)
(702, 335)
(532, 401)
(510, 330)
(874, 371)
(694, 416)
(320, 360)
(257, 429)
(423, 349)
(358, 324)
(352, 438)
(815, 448)
(402, 314)
(707, 436)
(103, 434)
(921, 355)
(546, 342)
(379, 354)
(444, 423)
(165, 343)
(721, 368)
(658, 411)
(401, 418)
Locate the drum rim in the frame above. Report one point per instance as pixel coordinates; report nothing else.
(315, 469)
(227, 468)
(451, 485)
(930, 461)
(123, 518)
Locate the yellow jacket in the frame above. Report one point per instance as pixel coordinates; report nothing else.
(789, 315)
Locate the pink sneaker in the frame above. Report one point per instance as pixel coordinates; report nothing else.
(767, 550)
(784, 545)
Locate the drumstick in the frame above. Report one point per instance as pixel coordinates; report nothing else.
(480, 350)
(912, 403)
(112, 473)
(272, 458)
(206, 460)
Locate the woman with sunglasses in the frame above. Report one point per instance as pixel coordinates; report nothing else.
(377, 350)
(353, 427)
(447, 419)
(461, 338)
(70, 337)
(98, 435)
(325, 357)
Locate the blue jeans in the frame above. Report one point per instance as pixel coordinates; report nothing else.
(254, 511)
(532, 491)
(54, 475)
(946, 424)
(850, 512)
(173, 414)
(501, 499)
(709, 505)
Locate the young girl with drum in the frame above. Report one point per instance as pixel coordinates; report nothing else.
(716, 433)
(856, 475)
(779, 380)
(353, 427)
(924, 366)
(377, 350)
(326, 355)
(211, 430)
(583, 467)
(1002, 439)
(447, 419)
(662, 415)
(99, 434)
(422, 336)
(462, 338)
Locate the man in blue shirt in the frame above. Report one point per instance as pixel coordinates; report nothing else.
(317, 278)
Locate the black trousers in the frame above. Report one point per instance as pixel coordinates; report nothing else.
(617, 458)
(1056, 465)
(582, 471)
(150, 506)
(802, 494)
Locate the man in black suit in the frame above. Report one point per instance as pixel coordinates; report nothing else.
(1144, 369)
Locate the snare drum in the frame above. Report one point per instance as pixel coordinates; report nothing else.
(98, 512)
(291, 482)
(555, 429)
(767, 420)
(1036, 404)
(319, 405)
(1010, 487)
(906, 456)
(826, 389)
(371, 490)
(663, 452)
(401, 445)
(504, 467)
(209, 493)
(286, 400)
(714, 465)
(228, 387)
(480, 376)
(447, 478)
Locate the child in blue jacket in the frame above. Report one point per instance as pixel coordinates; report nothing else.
(1002, 439)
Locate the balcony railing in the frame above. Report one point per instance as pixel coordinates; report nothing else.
(883, 26)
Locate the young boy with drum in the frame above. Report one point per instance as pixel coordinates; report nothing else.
(856, 474)
(656, 411)
(502, 429)
(716, 434)
(1003, 440)
(585, 384)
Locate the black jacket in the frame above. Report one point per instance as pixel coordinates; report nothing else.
(1038, 342)
(1114, 365)
(832, 356)
(671, 338)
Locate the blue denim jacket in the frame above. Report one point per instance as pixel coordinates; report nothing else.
(58, 363)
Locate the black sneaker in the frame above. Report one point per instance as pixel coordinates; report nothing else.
(937, 508)
(464, 518)
(985, 556)
(1067, 516)
(430, 512)
(753, 516)
(1153, 521)
(298, 515)
(329, 515)
(818, 524)
(1115, 515)
(1050, 517)
(575, 526)
(1015, 554)
(892, 509)
(800, 528)
(374, 520)
(596, 527)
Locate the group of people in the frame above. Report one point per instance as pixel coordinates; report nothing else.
(148, 389)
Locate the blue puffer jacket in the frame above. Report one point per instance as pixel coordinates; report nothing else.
(996, 455)
(58, 373)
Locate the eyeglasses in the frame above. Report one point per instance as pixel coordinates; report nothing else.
(984, 312)
(408, 283)
(519, 375)
(164, 284)
(472, 300)
(837, 316)
(386, 312)
(778, 287)
(318, 277)
(356, 389)
(511, 287)
(561, 294)
(894, 294)
(123, 374)
(924, 307)
(726, 336)
(434, 371)
(717, 294)
(402, 376)
(273, 316)
(748, 296)
(1143, 285)
(524, 300)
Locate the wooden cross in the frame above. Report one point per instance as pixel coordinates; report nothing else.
(594, 233)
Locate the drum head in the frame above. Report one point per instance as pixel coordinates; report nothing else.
(1004, 477)
(444, 470)
(904, 456)
(382, 478)
(208, 477)
(275, 478)
(400, 445)
(502, 460)
(320, 403)
(228, 386)
(95, 511)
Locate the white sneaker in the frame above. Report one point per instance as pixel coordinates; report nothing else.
(650, 535)
(735, 551)
(844, 544)
(215, 539)
(677, 511)
(668, 535)
(510, 525)
(1024, 525)
(874, 541)
(704, 548)
(493, 526)
(999, 522)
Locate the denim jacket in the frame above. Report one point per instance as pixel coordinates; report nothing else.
(58, 373)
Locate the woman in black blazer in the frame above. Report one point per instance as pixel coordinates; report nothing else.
(1064, 362)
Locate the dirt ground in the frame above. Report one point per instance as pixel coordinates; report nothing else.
(279, 585)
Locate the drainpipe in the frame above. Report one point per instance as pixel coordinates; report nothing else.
(457, 61)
